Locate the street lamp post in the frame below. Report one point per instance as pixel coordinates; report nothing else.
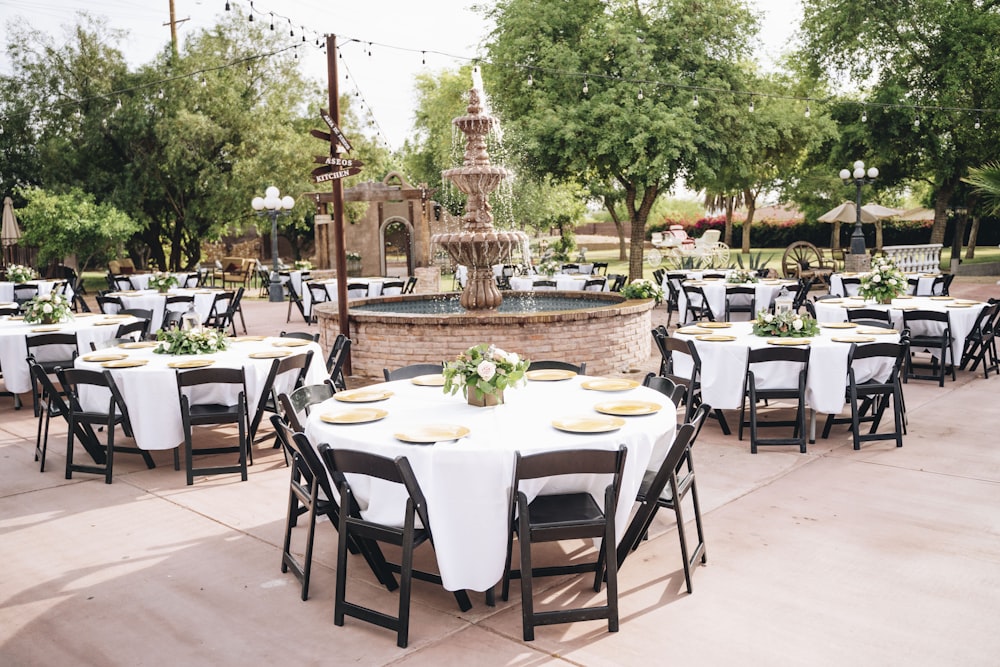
(272, 204)
(858, 177)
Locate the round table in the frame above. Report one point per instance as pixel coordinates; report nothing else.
(467, 481)
(564, 281)
(157, 302)
(765, 291)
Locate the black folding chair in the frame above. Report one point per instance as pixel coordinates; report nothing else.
(198, 412)
(772, 355)
(869, 399)
(339, 352)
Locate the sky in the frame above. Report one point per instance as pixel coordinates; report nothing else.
(407, 36)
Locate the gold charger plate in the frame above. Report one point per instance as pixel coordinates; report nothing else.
(877, 331)
(929, 275)
(106, 323)
(628, 408)
(903, 296)
(291, 342)
(588, 424)
(138, 345)
(905, 307)
(789, 341)
(16, 317)
(959, 305)
(269, 354)
(550, 374)
(362, 395)
(75, 315)
(430, 380)
(113, 356)
(191, 363)
(45, 329)
(692, 331)
(838, 325)
(125, 363)
(831, 302)
(854, 339)
(609, 384)
(942, 298)
(719, 338)
(248, 339)
(429, 433)
(117, 317)
(355, 416)
(714, 325)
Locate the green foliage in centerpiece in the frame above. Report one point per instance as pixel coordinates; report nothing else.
(190, 341)
(47, 308)
(486, 369)
(549, 267)
(741, 276)
(161, 282)
(643, 288)
(18, 273)
(785, 325)
(885, 281)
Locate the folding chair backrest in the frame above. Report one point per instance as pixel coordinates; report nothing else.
(338, 356)
(870, 317)
(392, 287)
(926, 322)
(297, 444)
(667, 387)
(411, 371)
(555, 364)
(295, 404)
(571, 462)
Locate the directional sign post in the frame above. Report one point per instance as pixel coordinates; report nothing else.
(325, 174)
(338, 161)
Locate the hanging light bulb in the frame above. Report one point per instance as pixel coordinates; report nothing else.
(272, 20)
(295, 52)
(159, 95)
(203, 82)
(808, 111)
(250, 14)
(639, 96)
(916, 122)
(118, 104)
(978, 124)
(227, 6)
(694, 102)
(586, 88)
(249, 70)
(291, 30)
(303, 29)
(531, 80)
(423, 57)
(864, 116)
(751, 105)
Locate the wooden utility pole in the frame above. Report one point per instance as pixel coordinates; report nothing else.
(340, 260)
(173, 30)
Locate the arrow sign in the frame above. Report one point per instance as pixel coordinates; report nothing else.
(338, 161)
(334, 130)
(334, 175)
(319, 171)
(319, 134)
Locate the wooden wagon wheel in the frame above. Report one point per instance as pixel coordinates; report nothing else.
(799, 256)
(720, 256)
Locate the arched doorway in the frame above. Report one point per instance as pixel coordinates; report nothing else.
(396, 242)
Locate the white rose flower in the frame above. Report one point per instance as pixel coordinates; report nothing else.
(486, 370)
(769, 318)
(513, 359)
(46, 309)
(876, 278)
(797, 324)
(892, 281)
(499, 355)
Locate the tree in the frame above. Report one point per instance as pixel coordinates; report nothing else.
(924, 61)
(72, 223)
(542, 205)
(626, 127)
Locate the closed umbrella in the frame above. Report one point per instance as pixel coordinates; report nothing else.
(10, 233)
(846, 212)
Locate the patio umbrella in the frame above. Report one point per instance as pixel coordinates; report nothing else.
(880, 212)
(10, 233)
(846, 212)
(918, 214)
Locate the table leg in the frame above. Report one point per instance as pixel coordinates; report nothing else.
(812, 426)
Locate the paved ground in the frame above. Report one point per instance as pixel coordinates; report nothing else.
(884, 556)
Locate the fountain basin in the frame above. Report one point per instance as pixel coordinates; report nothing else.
(605, 330)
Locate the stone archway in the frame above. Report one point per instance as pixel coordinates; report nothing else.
(396, 238)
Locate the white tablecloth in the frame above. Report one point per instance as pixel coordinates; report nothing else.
(924, 283)
(723, 368)
(150, 391)
(961, 318)
(374, 289)
(44, 287)
(156, 302)
(13, 349)
(765, 291)
(140, 281)
(567, 282)
(467, 482)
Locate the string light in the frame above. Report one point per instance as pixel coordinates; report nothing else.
(250, 14)
(227, 6)
(864, 116)
(694, 102)
(423, 57)
(808, 111)
(978, 124)
(272, 20)
(639, 96)
(369, 49)
(531, 80)
(916, 122)
(586, 88)
(751, 105)
(118, 104)
(291, 29)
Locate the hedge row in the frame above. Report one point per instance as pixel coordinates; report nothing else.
(782, 234)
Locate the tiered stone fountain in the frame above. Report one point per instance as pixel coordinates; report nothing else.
(479, 246)
(603, 329)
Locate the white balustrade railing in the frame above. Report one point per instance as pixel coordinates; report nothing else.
(925, 258)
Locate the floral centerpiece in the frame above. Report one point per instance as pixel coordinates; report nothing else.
(190, 341)
(483, 372)
(162, 282)
(741, 276)
(353, 256)
(785, 325)
(306, 265)
(549, 267)
(47, 309)
(642, 288)
(18, 273)
(885, 281)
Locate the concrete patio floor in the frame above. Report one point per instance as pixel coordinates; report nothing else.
(882, 556)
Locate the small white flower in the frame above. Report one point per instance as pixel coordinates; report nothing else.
(46, 308)
(876, 278)
(513, 359)
(486, 370)
(797, 324)
(892, 281)
(769, 318)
